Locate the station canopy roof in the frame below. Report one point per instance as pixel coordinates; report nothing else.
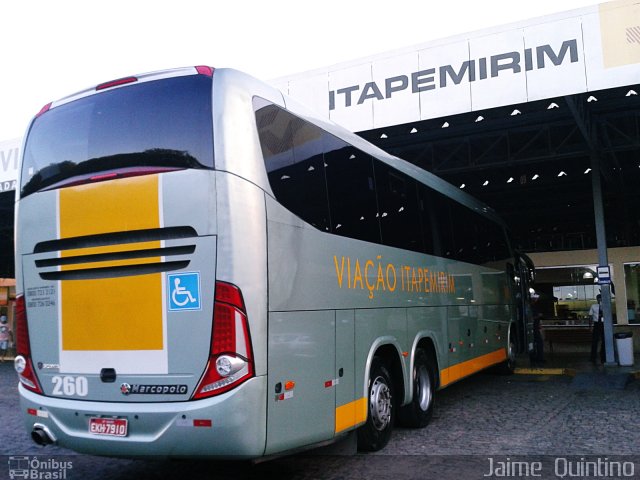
(532, 163)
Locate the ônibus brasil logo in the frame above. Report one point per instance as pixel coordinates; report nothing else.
(40, 469)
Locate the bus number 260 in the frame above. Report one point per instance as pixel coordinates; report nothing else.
(70, 386)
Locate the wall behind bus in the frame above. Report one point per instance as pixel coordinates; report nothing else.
(617, 258)
(9, 157)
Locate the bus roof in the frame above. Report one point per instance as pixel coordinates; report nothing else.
(230, 75)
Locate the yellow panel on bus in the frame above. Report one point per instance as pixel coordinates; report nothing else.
(123, 313)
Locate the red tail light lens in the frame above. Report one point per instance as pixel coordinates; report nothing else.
(22, 334)
(116, 83)
(44, 109)
(230, 294)
(230, 358)
(204, 70)
(23, 364)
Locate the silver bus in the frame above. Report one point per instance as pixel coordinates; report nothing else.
(205, 268)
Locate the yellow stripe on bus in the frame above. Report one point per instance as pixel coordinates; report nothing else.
(464, 369)
(122, 313)
(351, 414)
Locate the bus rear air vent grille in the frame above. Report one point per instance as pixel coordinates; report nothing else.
(118, 255)
(115, 238)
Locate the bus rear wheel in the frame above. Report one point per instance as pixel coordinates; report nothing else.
(418, 412)
(376, 432)
(508, 367)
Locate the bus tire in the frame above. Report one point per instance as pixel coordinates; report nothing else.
(376, 432)
(508, 367)
(418, 412)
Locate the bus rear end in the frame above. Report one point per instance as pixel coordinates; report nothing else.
(129, 343)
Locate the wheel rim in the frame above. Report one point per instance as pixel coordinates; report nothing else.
(380, 404)
(511, 353)
(423, 388)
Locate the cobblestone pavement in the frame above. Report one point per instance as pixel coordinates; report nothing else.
(503, 418)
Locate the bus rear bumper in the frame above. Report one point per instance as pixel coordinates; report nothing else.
(232, 425)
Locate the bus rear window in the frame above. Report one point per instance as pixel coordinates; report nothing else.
(160, 123)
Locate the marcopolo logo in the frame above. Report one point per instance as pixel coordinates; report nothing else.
(39, 469)
(137, 389)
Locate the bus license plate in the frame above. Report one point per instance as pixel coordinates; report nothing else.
(116, 427)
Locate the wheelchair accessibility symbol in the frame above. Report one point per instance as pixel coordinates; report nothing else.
(184, 291)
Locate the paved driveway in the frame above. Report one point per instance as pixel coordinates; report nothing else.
(480, 425)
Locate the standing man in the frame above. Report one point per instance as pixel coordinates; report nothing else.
(597, 334)
(537, 356)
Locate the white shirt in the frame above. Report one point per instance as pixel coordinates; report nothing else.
(594, 312)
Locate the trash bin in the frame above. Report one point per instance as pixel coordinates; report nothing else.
(624, 344)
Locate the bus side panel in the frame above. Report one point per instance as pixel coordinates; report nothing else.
(301, 400)
(301, 339)
(430, 322)
(37, 221)
(466, 313)
(242, 253)
(496, 311)
(374, 328)
(351, 409)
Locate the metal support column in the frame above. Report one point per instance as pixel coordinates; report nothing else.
(586, 126)
(603, 259)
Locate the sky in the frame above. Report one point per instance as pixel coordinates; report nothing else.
(51, 49)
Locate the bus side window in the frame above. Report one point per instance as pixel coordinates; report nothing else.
(293, 153)
(352, 191)
(466, 226)
(398, 203)
(436, 222)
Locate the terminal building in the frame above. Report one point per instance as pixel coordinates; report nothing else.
(539, 119)
(9, 156)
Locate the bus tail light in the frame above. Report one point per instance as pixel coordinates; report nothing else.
(116, 83)
(22, 363)
(230, 358)
(205, 70)
(44, 109)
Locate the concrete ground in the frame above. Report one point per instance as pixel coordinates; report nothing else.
(552, 418)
